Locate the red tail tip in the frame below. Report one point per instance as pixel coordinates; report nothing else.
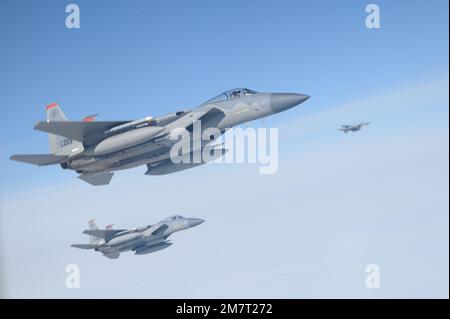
(51, 106)
(90, 118)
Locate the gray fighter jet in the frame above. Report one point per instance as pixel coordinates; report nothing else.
(95, 149)
(143, 240)
(353, 128)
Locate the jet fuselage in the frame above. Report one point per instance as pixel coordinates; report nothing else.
(235, 112)
(97, 149)
(142, 240)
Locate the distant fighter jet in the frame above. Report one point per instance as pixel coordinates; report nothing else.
(95, 149)
(143, 240)
(353, 128)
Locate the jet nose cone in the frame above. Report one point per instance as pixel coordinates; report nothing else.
(195, 221)
(283, 101)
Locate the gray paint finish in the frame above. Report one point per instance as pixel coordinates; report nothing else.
(141, 240)
(96, 149)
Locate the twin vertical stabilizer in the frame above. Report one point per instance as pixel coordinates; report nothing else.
(60, 145)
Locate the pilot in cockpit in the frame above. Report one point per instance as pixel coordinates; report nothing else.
(234, 94)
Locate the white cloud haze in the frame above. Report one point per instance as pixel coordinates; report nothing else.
(337, 203)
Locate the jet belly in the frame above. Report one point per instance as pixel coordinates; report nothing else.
(143, 250)
(112, 161)
(155, 155)
(125, 140)
(124, 242)
(147, 158)
(127, 242)
(132, 240)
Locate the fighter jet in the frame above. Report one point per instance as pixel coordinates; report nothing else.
(143, 240)
(96, 149)
(353, 128)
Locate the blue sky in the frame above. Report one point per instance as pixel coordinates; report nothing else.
(138, 58)
(148, 58)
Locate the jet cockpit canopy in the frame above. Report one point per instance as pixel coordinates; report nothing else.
(174, 217)
(231, 94)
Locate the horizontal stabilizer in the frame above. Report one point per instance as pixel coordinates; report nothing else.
(38, 159)
(83, 246)
(86, 132)
(97, 179)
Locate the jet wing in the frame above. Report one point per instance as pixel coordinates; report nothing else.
(86, 132)
(38, 159)
(187, 120)
(103, 233)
